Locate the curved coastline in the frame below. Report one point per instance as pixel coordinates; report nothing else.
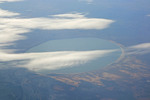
(122, 50)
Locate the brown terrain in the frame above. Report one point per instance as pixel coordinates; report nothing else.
(127, 72)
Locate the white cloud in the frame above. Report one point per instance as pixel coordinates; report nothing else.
(148, 15)
(10, 34)
(88, 1)
(12, 28)
(1, 1)
(53, 60)
(57, 23)
(139, 49)
(70, 15)
(141, 46)
(5, 13)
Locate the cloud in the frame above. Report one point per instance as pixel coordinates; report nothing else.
(5, 13)
(57, 23)
(88, 1)
(70, 15)
(139, 49)
(12, 28)
(53, 60)
(10, 34)
(148, 15)
(2, 1)
(141, 46)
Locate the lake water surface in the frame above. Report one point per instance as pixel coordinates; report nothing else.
(80, 44)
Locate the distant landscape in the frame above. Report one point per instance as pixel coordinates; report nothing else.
(74, 50)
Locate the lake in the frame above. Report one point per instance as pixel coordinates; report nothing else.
(84, 46)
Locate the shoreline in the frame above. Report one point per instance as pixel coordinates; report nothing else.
(122, 55)
(122, 50)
